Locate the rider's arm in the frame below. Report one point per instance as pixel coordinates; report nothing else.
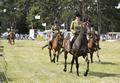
(72, 27)
(52, 29)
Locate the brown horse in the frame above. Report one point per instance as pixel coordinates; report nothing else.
(93, 46)
(79, 48)
(56, 46)
(11, 36)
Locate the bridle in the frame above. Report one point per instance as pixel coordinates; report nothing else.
(87, 25)
(59, 41)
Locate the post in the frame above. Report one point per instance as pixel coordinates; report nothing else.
(45, 28)
(99, 16)
(64, 27)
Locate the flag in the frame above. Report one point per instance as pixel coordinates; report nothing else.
(63, 24)
(43, 24)
(37, 17)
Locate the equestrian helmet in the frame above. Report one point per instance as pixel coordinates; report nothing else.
(92, 25)
(78, 15)
(55, 22)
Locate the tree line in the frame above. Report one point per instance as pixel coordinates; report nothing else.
(21, 13)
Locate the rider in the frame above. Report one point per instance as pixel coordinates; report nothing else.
(92, 30)
(75, 28)
(10, 30)
(93, 33)
(55, 29)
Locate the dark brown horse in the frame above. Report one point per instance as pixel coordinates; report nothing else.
(93, 46)
(79, 48)
(11, 37)
(56, 46)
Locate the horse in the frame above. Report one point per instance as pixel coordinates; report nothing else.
(79, 48)
(93, 46)
(56, 46)
(11, 36)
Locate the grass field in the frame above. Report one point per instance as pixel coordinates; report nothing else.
(27, 63)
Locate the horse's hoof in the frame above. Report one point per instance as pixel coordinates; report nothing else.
(92, 62)
(85, 74)
(57, 63)
(71, 72)
(99, 62)
(53, 61)
(64, 70)
(78, 74)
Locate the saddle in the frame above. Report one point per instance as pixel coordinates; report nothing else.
(74, 39)
(52, 41)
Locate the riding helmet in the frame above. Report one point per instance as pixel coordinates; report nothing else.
(55, 21)
(92, 25)
(78, 15)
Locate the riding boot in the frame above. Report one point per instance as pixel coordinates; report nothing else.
(99, 47)
(70, 46)
(62, 46)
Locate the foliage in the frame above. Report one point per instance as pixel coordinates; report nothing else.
(20, 13)
(31, 18)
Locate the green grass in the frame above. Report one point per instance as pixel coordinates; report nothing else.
(27, 63)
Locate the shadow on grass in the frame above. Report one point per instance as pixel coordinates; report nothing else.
(108, 63)
(3, 79)
(102, 74)
(20, 46)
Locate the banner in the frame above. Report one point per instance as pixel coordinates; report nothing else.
(37, 17)
(63, 24)
(44, 24)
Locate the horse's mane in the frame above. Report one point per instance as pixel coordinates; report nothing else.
(83, 27)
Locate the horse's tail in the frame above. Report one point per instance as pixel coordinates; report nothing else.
(44, 47)
(61, 52)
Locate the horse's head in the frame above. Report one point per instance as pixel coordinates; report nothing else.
(11, 29)
(61, 36)
(86, 28)
(96, 39)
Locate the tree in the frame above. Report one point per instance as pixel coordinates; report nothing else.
(31, 18)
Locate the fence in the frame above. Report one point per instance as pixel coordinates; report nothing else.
(1, 54)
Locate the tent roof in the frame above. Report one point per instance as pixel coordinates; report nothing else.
(112, 33)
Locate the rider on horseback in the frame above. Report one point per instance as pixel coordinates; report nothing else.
(75, 29)
(11, 28)
(93, 33)
(55, 30)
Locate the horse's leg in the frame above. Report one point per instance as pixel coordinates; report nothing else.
(72, 62)
(77, 66)
(57, 57)
(54, 56)
(86, 59)
(10, 41)
(91, 56)
(13, 41)
(65, 56)
(98, 57)
(50, 55)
